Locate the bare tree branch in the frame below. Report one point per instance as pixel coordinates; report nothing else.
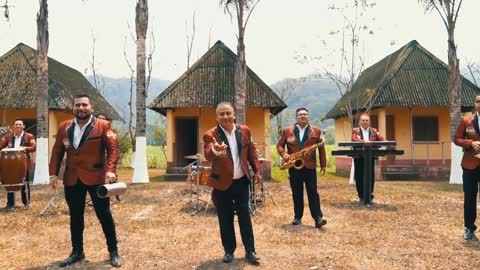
(98, 80)
(474, 70)
(6, 10)
(209, 36)
(189, 40)
(131, 128)
(150, 53)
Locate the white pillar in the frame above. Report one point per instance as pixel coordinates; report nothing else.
(132, 161)
(140, 168)
(455, 166)
(41, 176)
(352, 174)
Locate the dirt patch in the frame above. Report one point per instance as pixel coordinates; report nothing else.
(413, 225)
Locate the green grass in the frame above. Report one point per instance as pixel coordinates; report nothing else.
(282, 176)
(155, 158)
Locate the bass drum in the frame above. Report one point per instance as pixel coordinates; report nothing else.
(13, 168)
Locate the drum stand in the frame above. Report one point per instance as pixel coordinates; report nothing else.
(194, 173)
(27, 192)
(51, 202)
(265, 191)
(256, 198)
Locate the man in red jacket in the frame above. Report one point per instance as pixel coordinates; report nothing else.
(85, 140)
(20, 139)
(364, 133)
(467, 136)
(297, 137)
(230, 149)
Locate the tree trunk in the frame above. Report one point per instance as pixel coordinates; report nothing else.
(41, 171)
(240, 82)
(140, 174)
(240, 69)
(279, 124)
(455, 89)
(454, 84)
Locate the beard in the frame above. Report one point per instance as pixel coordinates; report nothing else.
(87, 115)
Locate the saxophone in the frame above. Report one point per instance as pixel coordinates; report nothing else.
(296, 160)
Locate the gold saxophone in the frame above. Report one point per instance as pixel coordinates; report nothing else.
(296, 159)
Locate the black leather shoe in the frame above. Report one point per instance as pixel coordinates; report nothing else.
(228, 258)
(115, 259)
(320, 222)
(297, 221)
(74, 257)
(252, 257)
(469, 234)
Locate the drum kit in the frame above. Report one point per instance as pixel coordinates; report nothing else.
(200, 193)
(13, 169)
(258, 191)
(198, 175)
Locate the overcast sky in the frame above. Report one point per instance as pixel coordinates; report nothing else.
(278, 31)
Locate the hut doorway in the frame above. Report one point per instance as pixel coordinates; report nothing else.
(186, 139)
(390, 136)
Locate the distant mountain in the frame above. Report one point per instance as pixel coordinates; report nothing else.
(117, 92)
(318, 96)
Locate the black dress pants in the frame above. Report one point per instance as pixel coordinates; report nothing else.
(75, 197)
(235, 198)
(25, 194)
(359, 168)
(309, 177)
(471, 179)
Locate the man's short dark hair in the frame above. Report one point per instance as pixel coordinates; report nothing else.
(224, 103)
(18, 119)
(104, 116)
(300, 109)
(83, 96)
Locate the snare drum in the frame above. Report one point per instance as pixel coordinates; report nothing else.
(13, 168)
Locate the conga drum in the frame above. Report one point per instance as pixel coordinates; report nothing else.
(13, 168)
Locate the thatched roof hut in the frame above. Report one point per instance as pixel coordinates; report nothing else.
(18, 73)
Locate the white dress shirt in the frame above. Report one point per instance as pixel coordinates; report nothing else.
(18, 140)
(232, 142)
(365, 134)
(301, 131)
(78, 132)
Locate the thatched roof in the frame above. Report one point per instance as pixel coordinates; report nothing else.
(18, 73)
(210, 81)
(409, 77)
